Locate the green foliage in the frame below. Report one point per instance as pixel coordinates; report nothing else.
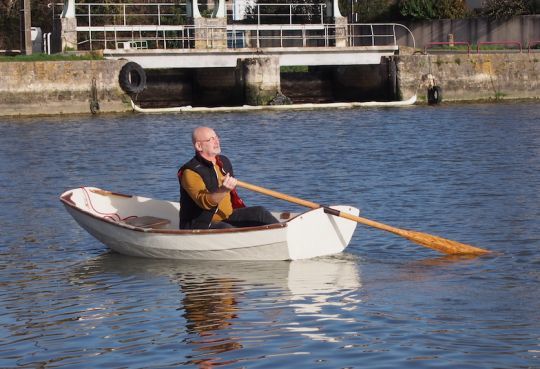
(428, 9)
(53, 57)
(417, 9)
(504, 9)
(9, 21)
(452, 9)
(375, 10)
(294, 69)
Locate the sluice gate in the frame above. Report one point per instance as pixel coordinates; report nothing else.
(315, 55)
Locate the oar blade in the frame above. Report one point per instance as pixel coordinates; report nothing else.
(441, 244)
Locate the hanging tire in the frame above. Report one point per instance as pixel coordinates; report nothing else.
(434, 95)
(132, 78)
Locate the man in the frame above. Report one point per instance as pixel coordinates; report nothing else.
(208, 199)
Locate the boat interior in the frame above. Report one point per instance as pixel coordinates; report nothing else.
(134, 211)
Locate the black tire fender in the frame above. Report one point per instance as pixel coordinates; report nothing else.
(434, 95)
(132, 78)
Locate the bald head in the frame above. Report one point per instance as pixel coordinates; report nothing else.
(206, 142)
(202, 133)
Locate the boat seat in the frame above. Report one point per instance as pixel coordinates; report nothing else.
(147, 221)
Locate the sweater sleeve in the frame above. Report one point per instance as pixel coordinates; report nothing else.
(194, 185)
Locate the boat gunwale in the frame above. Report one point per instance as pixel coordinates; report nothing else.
(65, 198)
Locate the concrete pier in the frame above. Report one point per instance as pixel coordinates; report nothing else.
(261, 78)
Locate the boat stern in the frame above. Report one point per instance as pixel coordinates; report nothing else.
(316, 233)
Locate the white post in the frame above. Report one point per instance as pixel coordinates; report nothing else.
(335, 9)
(219, 9)
(193, 9)
(69, 9)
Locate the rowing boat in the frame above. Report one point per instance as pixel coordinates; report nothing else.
(145, 227)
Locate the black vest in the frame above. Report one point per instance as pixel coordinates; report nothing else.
(191, 215)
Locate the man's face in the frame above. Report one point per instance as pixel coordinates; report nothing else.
(207, 142)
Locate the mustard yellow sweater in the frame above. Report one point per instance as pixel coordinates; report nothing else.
(195, 187)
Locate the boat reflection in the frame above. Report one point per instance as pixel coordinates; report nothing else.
(217, 295)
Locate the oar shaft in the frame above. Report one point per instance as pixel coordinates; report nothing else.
(312, 205)
(434, 242)
(279, 195)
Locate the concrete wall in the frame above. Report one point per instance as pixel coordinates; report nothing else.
(60, 87)
(524, 28)
(471, 77)
(31, 88)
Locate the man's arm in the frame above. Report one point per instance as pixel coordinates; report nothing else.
(195, 187)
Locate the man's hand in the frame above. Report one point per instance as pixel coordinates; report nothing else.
(229, 183)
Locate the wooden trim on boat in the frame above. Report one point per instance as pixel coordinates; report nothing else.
(67, 199)
(108, 193)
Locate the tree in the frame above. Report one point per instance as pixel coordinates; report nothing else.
(9, 24)
(427, 9)
(9, 20)
(374, 10)
(504, 9)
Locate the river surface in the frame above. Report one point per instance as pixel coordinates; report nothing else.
(466, 172)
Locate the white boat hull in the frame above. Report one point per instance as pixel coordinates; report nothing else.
(307, 235)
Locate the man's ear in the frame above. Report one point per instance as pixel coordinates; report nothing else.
(198, 146)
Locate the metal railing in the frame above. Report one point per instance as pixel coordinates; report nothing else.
(374, 34)
(98, 14)
(161, 26)
(241, 36)
(306, 13)
(514, 46)
(175, 13)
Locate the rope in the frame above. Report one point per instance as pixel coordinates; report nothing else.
(112, 216)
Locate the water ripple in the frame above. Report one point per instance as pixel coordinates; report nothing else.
(466, 172)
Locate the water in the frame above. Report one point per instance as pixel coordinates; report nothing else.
(466, 172)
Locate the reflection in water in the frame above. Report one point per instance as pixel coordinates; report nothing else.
(210, 305)
(213, 296)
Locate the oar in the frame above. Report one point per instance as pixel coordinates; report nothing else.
(434, 242)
